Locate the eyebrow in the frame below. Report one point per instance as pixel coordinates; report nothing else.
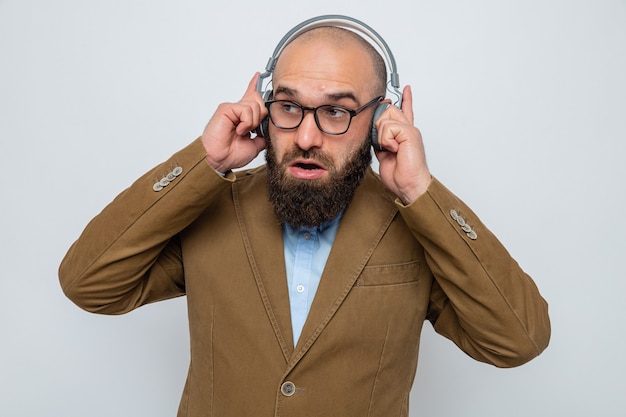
(294, 94)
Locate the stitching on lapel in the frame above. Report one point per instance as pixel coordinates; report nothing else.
(257, 277)
(342, 296)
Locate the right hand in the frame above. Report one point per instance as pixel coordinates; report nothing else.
(227, 138)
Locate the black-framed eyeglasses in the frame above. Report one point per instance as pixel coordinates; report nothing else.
(329, 118)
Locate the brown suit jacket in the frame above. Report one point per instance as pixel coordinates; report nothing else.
(217, 241)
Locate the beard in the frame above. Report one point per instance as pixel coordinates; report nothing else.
(311, 203)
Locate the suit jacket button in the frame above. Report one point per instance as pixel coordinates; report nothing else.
(288, 389)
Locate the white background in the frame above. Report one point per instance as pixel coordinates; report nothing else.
(522, 105)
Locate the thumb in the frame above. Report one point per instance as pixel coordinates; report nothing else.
(407, 103)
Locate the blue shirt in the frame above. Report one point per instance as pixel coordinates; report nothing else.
(306, 252)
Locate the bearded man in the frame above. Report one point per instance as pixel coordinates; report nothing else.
(308, 279)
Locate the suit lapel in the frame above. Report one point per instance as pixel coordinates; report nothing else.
(263, 241)
(363, 224)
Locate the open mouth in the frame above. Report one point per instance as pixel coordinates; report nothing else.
(307, 169)
(307, 166)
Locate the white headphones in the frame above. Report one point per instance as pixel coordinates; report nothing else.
(393, 85)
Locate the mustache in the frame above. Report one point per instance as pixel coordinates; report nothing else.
(313, 154)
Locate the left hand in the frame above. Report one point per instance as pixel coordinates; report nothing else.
(403, 166)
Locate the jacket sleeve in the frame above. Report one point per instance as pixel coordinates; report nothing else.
(129, 254)
(481, 299)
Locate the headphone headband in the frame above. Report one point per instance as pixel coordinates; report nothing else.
(337, 21)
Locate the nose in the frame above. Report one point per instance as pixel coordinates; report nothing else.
(308, 134)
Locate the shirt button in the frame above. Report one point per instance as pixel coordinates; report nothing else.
(288, 389)
(300, 288)
(307, 235)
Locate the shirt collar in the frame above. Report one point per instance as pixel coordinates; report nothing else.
(321, 228)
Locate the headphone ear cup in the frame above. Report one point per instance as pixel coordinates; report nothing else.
(380, 109)
(263, 129)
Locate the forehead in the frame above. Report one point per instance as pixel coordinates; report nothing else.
(321, 66)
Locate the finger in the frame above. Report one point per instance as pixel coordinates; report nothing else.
(407, 103)
(253, 96)
(249, 115)
(386, 136)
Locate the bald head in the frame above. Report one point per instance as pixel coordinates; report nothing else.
(341, 39)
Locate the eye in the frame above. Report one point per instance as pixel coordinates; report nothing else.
(334, 112)
(289, 107)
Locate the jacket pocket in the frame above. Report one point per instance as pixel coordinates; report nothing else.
(391, 274)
